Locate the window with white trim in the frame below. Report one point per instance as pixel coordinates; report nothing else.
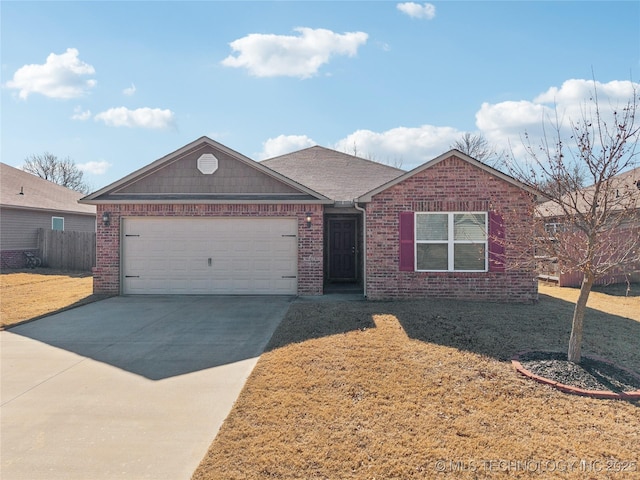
(451, 241)
(57, 223)
(554, 228)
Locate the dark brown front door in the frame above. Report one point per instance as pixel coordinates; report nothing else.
(342, 249)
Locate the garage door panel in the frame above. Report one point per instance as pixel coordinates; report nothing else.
(209, 256)
(284, 285)
(262, 266)
(222, 265)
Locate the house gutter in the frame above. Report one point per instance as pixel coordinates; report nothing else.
(364, 245)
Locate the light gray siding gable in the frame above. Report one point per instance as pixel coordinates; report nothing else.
(183, 177)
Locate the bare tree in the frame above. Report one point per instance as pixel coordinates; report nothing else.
(595, 230)
(478, 147)
(63, 172)
(576, 181)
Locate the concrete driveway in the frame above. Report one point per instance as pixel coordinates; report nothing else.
(129, 387)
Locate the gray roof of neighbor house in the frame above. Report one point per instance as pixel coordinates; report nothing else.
(336, 175)
(624, 193)
(20, 189)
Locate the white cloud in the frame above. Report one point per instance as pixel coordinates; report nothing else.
(509, 116)
(129, 91)
(415, 10)
(504, 124)
(406, 147)
(79, 114)
(573, 96)
(577, 91)
(269, 55)
(154, 118)
(96, 168)
(282, 144)
(61, 76)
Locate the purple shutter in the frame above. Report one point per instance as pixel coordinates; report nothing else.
(406, 242)
(496, 242)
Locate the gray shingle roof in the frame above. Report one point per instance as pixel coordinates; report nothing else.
(627, 196)
(37, 193)
(336, 175)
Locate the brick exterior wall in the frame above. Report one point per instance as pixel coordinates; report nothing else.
(449, 186)
(621, 240)
(106, 274)
(16, 258)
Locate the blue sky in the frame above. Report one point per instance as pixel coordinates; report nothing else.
(117, 85)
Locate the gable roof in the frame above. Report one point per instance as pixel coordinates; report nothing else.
(626, 186)
(23, 190)
(336, 175)
(451, 153)
(156, 182)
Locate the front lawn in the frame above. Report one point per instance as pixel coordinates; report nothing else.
(28, 294)
(402, 390)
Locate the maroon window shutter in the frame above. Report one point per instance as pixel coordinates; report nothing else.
(496, 242)
(406, 242)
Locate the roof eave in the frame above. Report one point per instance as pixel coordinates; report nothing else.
(53, 210)
(367, 197)
(212, 202)
(183, 150)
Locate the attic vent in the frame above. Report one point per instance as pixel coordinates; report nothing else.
(207, 163)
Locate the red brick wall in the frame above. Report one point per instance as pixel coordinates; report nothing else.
(449, 186)
(614, 248)
(15, 258)
(106, 274)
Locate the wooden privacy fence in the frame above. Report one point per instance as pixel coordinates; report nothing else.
(67, 250)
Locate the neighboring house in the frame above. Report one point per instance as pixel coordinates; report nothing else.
(27, 203)
(208, 220)
(625, 190)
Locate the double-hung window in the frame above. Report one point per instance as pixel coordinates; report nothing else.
(448, 242)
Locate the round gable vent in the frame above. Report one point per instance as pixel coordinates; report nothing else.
(207, 163)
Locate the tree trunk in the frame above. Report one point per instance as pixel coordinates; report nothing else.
(575, 341)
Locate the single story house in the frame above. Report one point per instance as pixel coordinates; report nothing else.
(623, 238)
(208, 220)
(28, 203)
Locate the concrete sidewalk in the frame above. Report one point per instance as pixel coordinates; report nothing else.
(129, 387)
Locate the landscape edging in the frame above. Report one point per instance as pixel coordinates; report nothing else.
(601, 394)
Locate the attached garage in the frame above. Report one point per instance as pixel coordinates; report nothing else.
(245, 256)
(206, 220)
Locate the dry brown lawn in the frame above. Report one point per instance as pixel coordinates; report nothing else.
(395, 390)
(29, 294)
(398, 390)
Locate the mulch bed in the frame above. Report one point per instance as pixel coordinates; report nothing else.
(593, 377)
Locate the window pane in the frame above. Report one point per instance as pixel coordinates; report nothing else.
(432, 256)
(468, 256)
(57, 223)
(432, 226)
(469, 226)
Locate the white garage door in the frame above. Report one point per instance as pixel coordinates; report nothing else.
(209, 256)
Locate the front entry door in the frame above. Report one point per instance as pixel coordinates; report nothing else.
(342, 249)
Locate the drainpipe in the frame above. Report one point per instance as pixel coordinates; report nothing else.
(364, 245)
